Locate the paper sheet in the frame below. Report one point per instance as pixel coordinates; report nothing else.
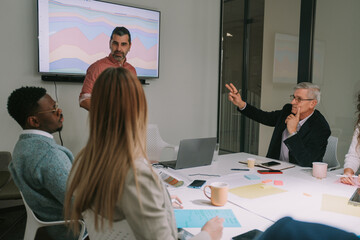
(172, 181)
(339, 204)
(196, 218)
(256, 191)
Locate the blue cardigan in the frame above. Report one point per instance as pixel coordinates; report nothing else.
(40, 169)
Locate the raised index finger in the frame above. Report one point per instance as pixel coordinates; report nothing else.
(228, 87)
(298, 112)
(233, 88)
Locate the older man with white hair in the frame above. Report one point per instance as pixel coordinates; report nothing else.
(301, 132)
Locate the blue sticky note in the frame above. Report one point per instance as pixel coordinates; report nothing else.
(196, 218)
(252, 176)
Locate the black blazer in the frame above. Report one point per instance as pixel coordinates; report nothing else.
(305, 147)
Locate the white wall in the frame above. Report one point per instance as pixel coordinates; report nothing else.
(336, 25)
(183, 101)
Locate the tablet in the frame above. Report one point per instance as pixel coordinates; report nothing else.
(355, 198)
(250, 235)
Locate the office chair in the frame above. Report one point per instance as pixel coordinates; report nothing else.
(8, 189)
(330, 156)
(120, 230)
(155, 144)
(33, 223)
(5, 158)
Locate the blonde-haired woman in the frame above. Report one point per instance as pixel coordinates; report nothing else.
(111, 177)
(352, 158)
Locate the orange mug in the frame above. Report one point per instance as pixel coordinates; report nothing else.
(219, 193)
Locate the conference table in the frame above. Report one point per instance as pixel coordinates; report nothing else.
(259, 200)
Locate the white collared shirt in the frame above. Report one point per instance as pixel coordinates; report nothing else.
(38, 132)
(284, 151)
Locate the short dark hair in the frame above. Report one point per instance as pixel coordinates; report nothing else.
(23, 102)
(121, 31)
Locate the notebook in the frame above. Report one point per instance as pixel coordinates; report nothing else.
(193, 153)
(282, 166)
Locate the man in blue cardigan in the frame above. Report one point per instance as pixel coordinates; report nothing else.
(40, 167)
(301, 132)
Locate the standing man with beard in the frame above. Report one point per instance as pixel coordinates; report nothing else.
(40, 167)
(120, 44)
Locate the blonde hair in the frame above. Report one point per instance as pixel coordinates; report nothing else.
(118, 120)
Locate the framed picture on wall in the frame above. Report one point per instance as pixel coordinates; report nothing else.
(286, 59)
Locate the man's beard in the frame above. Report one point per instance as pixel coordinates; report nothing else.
(119, 58)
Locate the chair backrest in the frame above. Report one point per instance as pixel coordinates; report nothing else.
(330, 156)
(8, 189)
(5, 177)
(5, 159)
(120, 230)
(155, 144)
(33, 223)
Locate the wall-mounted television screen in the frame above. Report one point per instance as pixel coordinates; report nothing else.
(75, 33)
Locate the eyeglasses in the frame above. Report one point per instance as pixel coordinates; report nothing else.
(56, 109)
(298, 100)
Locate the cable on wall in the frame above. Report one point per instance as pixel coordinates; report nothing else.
(57, 100)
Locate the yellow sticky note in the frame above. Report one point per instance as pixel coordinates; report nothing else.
(339, 204)
(256, 190)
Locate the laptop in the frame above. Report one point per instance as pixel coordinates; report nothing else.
(193, 153)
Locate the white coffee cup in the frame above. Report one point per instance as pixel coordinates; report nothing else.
(319, 169)
(251, 162)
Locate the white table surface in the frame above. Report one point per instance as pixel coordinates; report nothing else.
(302, 199)
(195, 199)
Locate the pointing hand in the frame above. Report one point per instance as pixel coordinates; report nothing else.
(234, 96)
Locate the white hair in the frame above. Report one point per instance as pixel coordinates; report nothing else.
(314, 90)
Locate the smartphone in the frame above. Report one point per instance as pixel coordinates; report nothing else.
(355, 198)
(269, 164)
(268, 171)
(197, 184)
(248, 235)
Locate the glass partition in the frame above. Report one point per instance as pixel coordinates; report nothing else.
(242, 35)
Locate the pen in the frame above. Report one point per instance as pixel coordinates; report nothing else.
(240, 169)
(200, 174)
(346, 176)
(177, 203)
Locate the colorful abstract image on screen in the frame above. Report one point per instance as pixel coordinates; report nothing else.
(75, 33)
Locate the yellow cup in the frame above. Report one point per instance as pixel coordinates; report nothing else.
(251, 162)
